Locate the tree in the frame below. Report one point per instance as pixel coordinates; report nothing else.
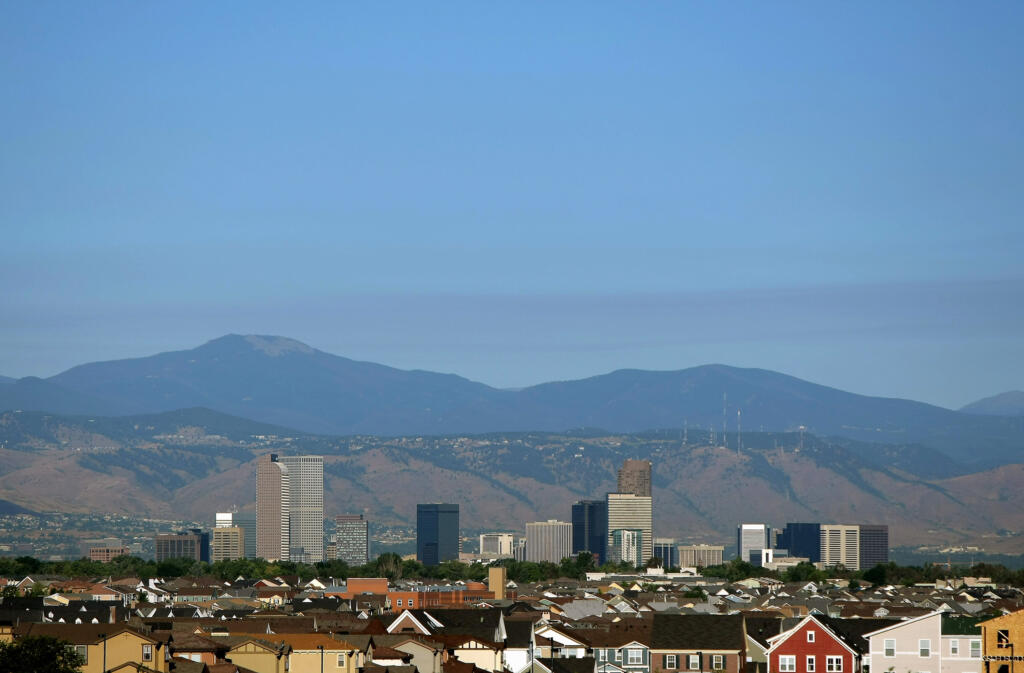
(390, 565)
(39, 653)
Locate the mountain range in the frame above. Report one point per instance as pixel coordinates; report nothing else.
(193, 462)
(284, 382)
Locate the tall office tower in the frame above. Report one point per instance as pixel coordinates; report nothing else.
(247, 522)
(306, 507)
(701, 555)
(227, 543)
(626, 545)
(751, 536)
(874, 545)
(803, 540)
(272, 509)
(628, 511)
(590, 528)
(635, 477)
(840, 545)
(496, 544)
(549, 540)
(666, 549)
(192, 544)
(352, 539)
(437, 533)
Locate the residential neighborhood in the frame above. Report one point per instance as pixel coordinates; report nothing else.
(650, 622)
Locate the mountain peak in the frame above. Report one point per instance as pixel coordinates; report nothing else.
(1010, 403)
(273, 346)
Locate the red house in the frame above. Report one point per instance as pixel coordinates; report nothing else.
(821, 644)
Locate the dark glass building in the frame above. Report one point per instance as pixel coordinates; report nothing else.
(874, 545)
(802, 540)
(590, 528)
(437, 533)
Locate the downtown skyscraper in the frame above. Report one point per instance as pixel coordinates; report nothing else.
(290, 508)
(437, 533)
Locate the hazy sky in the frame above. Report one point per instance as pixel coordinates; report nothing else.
(522, 192)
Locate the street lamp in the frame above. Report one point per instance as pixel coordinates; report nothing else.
(103, 637)
(321, 648)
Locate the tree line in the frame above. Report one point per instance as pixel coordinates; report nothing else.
(393, 567)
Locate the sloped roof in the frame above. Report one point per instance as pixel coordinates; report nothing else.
(690, 632)
(763, 628)
(852, 631)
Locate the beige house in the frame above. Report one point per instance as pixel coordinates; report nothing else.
(315, 652)
(258, 655)
(104, 646)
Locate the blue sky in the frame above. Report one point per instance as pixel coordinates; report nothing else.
(522, 192)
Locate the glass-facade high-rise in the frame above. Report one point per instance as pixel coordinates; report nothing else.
(590, 528)
(874, 545)
(802, 540)
(306, 507)
(290, 508)
(628, 511)
(437, 533)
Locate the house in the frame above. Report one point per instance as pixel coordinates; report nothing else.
(472, 636)
(820, 644)
(931, 643)
(623, 648)
(554, 641)
(697, 643)
(961, 645)
(104, 646)
(315, 652)
(1002, 643)
(758, 628)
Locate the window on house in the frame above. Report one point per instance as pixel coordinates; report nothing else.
(833, 665)
(693, 662)
(147, 652)
(409, 603)
(602, 655)
(787, 663)
(716, 662)
(810, 663)
(810, 636)
(399, 602)
(924, 647)
(1002, 638)
(618, 655)
(975, 649)
(83, 650)
(954, 647)
(890, 647)
(670, 661)
(341, 661)
(634, 657)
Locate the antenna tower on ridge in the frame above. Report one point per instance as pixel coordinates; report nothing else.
(739, 433)
(725, 421)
